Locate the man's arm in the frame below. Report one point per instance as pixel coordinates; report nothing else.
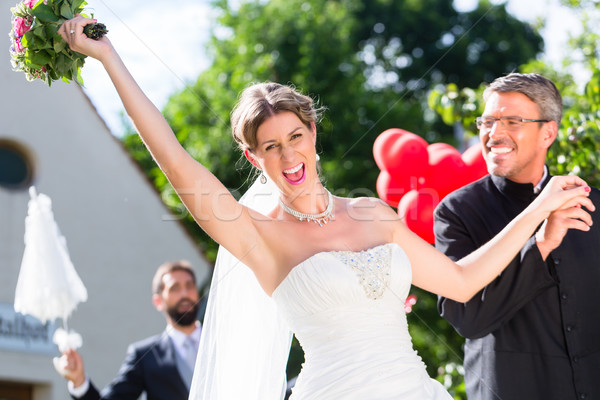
(70, 366)
(525, 277)
(128, 385)
(87, 391)
(129, 382)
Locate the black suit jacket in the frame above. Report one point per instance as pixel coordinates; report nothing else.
(534, 332)
(150, 367)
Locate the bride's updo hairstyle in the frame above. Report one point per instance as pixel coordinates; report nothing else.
(261, 101)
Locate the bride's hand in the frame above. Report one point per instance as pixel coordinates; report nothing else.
(72, 33)
(564, 192)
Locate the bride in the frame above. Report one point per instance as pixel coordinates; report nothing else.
(337, 269)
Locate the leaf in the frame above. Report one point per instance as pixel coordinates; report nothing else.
(51, 31)
(59, 44)
(62, 62)
(27, 40)
(53, 75)
(44, 13)
(30, 64)
(67, 75)
(78, 5)
(66, 11)
(39, 31)
(43, 44)
(40, 40)
(78, 77)
(41, 58)
(447, 113)
(434, 99)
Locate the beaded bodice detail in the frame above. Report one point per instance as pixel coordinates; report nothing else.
(372, 268)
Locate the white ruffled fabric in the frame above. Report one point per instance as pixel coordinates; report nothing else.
(65, 340)
(48, 286)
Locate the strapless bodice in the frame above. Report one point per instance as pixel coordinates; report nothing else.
(347, 311)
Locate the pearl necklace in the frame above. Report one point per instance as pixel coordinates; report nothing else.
(321, 219)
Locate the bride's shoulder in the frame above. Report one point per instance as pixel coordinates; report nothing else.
(364, 201)
(370, 206)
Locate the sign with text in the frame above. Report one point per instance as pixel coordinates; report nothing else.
(24, 333)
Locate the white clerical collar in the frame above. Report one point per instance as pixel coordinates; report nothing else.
(538, 188)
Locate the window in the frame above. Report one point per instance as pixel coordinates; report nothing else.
(16, 167)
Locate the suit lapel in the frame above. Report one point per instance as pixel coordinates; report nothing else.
(168, 358)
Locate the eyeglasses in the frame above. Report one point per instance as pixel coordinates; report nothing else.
(511, 123)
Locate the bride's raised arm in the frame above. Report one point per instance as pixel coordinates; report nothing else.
(209, 202)
(460, 281)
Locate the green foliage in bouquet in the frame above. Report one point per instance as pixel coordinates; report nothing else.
(36, 47)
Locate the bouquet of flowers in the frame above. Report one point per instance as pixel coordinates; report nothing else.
(36, 47)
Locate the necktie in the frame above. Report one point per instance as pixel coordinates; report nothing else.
(191, 350)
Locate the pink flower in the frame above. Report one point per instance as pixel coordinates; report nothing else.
(21, 25)
(409, 303)
(18, 45)
(29, 3)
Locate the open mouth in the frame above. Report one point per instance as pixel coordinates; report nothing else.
(295, 175)
(500, 150)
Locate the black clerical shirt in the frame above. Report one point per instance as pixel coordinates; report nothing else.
(534, 332)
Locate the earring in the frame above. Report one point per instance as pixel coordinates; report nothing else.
(318, 158)
(263, 178)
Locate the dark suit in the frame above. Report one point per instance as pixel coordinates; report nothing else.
(150, 366)
(534, 332)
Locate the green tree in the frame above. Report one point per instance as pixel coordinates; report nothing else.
(577, 149)
(369, 62)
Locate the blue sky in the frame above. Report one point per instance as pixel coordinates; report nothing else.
(162, 44)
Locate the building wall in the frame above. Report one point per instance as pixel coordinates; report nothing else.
(117, 229)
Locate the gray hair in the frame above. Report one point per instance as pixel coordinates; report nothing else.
(542, 91)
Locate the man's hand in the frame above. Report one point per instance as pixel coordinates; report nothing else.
(554, 229)
(70, 366)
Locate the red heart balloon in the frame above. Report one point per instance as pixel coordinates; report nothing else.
(391, 189)
(384, 142)
(416, 208)
(473, 158)
(447, 170)
(401, 153)
(415, 176)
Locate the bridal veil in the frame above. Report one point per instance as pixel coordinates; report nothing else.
(245, 344)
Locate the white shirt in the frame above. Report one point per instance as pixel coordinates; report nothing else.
(178, 338)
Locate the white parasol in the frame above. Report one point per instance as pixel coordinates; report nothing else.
(48, 286)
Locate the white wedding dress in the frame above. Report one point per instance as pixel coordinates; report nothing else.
(345, 308)
(347, 311)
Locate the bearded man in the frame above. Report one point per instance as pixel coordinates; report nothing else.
(162, 366)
